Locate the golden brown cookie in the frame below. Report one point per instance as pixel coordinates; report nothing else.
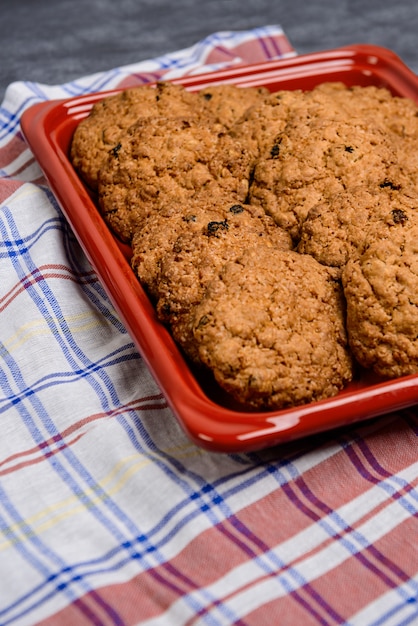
(381, 289)
(312, 160)
(264, 120)
(395, 114)
(109, 118)
(163, 160)
(336, 229)
(271, 329)
(196, 256)
(155, 235)
(227, 103)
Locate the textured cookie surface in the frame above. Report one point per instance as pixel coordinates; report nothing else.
(227, 103)
(109, 118)
(271, 329)
(164, 160)
(335, 230)
(196, 257)
(155, 235)
(315, 159)
(381, 289)
(396, 116)
(264, 120)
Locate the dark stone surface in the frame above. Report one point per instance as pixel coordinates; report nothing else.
(54, 42)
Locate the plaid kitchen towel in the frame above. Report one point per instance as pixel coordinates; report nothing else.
(108, 513)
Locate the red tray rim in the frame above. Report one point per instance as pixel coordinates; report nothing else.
(47, 126)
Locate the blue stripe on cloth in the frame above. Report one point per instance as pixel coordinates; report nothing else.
(92, 287)
(44, 299)
(35, 552)
(101, 82)
(279, 565)
(23, 244)
(57, 379)
(206, 499)
(401, 614)
(100, 382)
(34, 93)
(147, 548)
(10, 121)
(204, 505)
(109, 514)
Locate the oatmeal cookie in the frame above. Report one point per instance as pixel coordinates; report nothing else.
(109, 118)
(336, 229)
(196, 256)
(311, 161)
(396, 116)
(262, 121)
(381, 290)
(163, 160)
(335, 100)
(227, 103)
(327, 101)
(155, 235)
(271, 329)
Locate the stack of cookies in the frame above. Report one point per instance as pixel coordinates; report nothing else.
(276, 233)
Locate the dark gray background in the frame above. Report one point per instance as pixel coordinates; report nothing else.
(56, 41)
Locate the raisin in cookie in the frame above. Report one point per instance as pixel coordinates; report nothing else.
(327, 101)
(155, 235)
(162, 160)
(314, 159)
(381, 289)
(396, 116)
(227, 103)
(271, 329)
(336, 229)
(264, 120)
(196, 256)
(99, 133)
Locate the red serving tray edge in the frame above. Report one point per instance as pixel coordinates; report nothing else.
(48, 128)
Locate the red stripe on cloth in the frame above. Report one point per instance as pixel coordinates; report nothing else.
(39, 275)
(385, 452)
(285, 612)
(295, 609)
(204, 560)
(8, 187)
(349, 587)
(214, 553)
(54, 445)
(12, 149)
(251, 51)
(152, 593)
(270, 522)
(46, 272)
(136, 80)
(24, 166)
(88, 611)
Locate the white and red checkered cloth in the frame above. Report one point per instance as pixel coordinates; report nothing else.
(108, 513)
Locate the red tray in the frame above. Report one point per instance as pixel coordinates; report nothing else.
(200, 406)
